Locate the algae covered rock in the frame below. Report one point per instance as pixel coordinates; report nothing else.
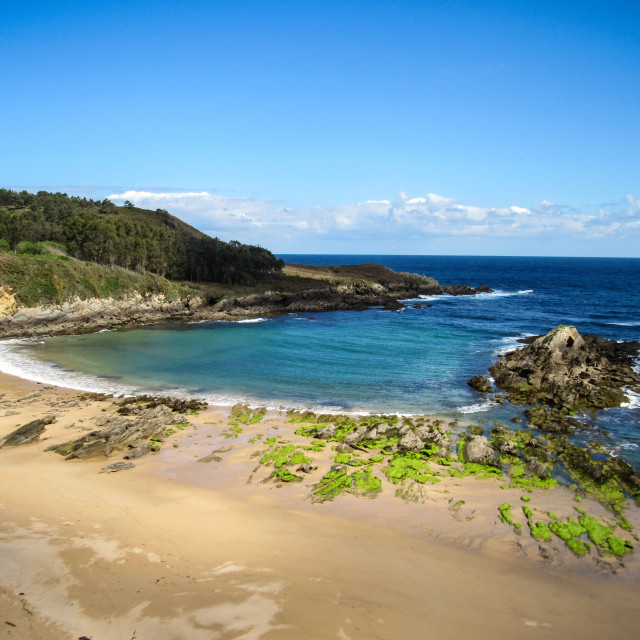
(481, 384)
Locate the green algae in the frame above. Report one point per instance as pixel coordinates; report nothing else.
(284, 455)
(577, 546)
(525, 498)
(527, 512)
(412, 466)
(505, 513)
(598, 532)
(332, 484)
(366, 484)
(376, 458)
(270, 441)
(552, 516)
(623, 523)
(232, 432)
(618, 546)
(283, 474)
(540, 531)
(257, 416)
(566, 530)
(475, 468)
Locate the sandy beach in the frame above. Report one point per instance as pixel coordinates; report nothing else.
(176, 548)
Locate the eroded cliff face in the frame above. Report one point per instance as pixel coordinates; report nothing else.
(567, 370)
(79, 316)
(8, 304)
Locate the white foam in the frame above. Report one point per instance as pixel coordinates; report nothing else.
(509, 343)
(503, 294)
(251, 320)
(634, 399)
(479, 407)
(625, 324)
(13, 361)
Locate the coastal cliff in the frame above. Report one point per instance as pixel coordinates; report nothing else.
(95, 314)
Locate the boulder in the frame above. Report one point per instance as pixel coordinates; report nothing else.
(477, 449)
(410, 442)
(326, 432)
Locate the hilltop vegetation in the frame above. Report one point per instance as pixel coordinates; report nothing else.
(137, 239)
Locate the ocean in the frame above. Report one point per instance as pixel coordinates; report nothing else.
(413, 361)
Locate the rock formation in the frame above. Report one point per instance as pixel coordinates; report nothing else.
(566, 370)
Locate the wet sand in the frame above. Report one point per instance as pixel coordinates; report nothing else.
(176, 548)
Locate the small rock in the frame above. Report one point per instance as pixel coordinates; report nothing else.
(117, 466)
(307, 467)
(326, 432)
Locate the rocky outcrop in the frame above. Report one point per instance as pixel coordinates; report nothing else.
(569, 371)
(27, 433)
(81, 316)
(480, 383)
(119, 433)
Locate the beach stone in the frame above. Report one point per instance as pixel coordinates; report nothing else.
(307, 467)
(476, 449)
(355, 436)
(410, 442)
(178, 418)
(117, 466)
(12, 413)
(138, 452)
(343, 447)
(27, 433)
(29, 396)
(404, 429)
(326, 432)
(431, 435)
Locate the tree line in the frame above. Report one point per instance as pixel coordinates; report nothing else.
(130, 237)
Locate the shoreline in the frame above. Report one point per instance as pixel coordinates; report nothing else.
(173, 548)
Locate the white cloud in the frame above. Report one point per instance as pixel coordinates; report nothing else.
(357, 226)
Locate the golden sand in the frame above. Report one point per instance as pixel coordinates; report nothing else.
(175, 548)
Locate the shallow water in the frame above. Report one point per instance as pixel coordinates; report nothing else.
(416, 360)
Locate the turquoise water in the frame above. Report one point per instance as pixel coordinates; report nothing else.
(417, 360)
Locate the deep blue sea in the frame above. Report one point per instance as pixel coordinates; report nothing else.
(417, 360)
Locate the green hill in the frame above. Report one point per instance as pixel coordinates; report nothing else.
(136, 239)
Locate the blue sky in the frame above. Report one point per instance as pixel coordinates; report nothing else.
(487, 127)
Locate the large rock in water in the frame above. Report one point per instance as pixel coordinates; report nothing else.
(566, 369)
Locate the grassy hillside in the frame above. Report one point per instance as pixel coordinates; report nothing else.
(50, 278)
